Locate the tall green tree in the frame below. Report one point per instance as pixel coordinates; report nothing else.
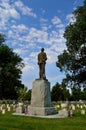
(73, 60)
(59, 92)
(2, 38)
(28, 95)
(84, 94)
(76, 94)
(22, 93)
(10, 71)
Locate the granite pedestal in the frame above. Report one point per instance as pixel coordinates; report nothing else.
(41, 98)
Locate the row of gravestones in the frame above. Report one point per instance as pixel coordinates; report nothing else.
(71, 108)
(4, 108)
(21, 108)
(18, 108)
(7, 107)
(83, 106)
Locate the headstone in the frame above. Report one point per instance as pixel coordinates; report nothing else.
(83, 112)
(3, 111)
(77, 105)
(64, 105)
(81, 106)
(19, 108)
(58, 106)
(8, 108)
(41, 99)
(84, 105)
(0, 108)
(63, 113)
(72, 106)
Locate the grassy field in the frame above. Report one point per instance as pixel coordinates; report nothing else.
(11, 122)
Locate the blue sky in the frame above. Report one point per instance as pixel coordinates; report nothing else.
(32, 24)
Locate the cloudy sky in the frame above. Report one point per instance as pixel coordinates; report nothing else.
(30, 25)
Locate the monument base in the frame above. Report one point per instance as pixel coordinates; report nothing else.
(41, 99)
(42, 111)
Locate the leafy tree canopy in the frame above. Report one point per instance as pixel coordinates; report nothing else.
(2, 38)
(60, 92)
(10, 71)
(73, 60)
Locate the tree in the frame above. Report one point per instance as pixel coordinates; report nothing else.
(10, 72)
(59, 92)
(84, 94)
(76, 94)
(2, 38)
(24, 94)
(73, 60)
(28, 96)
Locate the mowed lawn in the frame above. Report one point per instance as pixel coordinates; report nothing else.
(11, 122)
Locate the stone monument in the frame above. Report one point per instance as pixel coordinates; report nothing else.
(41, 98)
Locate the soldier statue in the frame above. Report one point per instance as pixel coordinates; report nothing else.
(42, 57)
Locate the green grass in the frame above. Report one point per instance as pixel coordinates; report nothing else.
(11, 122)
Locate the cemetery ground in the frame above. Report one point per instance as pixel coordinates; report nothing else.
(13, 122)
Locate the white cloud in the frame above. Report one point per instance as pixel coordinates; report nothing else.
(18, 51)
(36, 36)
(24, 9)
(54, 50)
(26, 39)
(19, 28)
(33, 36)
(75, 2)
(5, 4)
(3, 24)
(10, 33)
(30, 35)
(71, 19)
(44, 24)
(52, 56)
(13, 13)
(57, 22)
(58, 77)
(8, 10)
(27, 67)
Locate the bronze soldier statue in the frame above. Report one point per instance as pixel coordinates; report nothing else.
(42, 57)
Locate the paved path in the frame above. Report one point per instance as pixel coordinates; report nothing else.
(48, 116)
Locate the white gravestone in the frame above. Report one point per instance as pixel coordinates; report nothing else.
(83, 112)
(19, 108)
(3, 111)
